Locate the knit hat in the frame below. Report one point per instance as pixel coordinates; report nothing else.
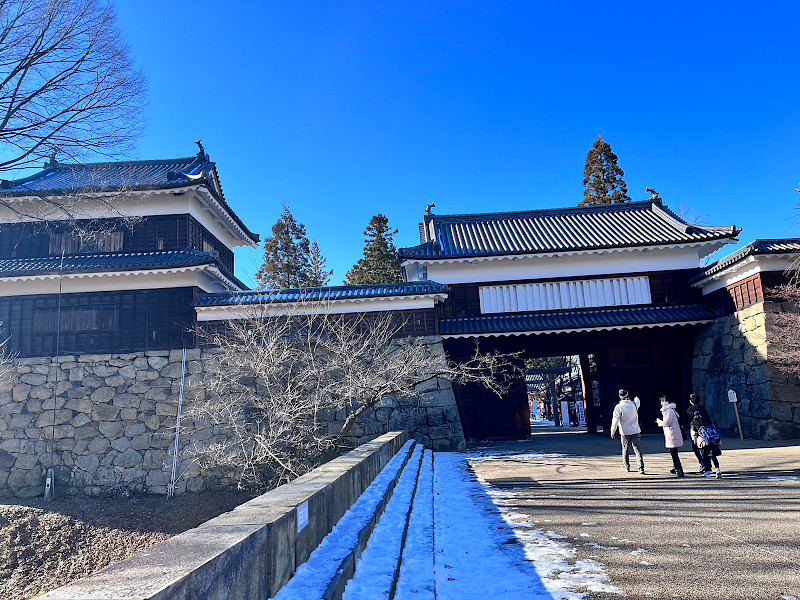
(623, 394)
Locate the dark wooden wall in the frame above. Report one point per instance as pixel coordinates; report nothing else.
(163, 232)
(99, 322)
(666, 287)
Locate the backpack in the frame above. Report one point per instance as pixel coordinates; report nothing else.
(708, 436)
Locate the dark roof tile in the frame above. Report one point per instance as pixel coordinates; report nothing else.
(579, 319)
(320, 294)
(631, 224)
(765, 246)
(113, 261)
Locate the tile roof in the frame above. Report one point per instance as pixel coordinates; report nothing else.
(62, 179)
(113, 261)
(584, 319)
(648, 223)
(319, 294)
(766, 246)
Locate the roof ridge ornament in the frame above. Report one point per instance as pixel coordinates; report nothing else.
(429, 209)
(654, 195)
(201, 151)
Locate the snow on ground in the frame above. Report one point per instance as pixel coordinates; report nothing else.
(552, 559)
(478, 533)
(313, 576)
(416, 570)
(375, 568)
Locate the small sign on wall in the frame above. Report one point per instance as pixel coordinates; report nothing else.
(302, 516)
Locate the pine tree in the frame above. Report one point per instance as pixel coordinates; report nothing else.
(318, 275)
(602, 177)
(286, 255)
(380, 263)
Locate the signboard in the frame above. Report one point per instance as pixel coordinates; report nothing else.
(732, 396)
(581, 413)
(302, 516)
(565, 414)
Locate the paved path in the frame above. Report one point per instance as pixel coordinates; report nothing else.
(658, 536)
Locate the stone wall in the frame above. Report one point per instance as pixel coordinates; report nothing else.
(732, 353)
(106, 423)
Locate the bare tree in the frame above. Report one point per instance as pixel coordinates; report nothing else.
(784, 337)
(67, 83)
(6, 361)
(275, 382)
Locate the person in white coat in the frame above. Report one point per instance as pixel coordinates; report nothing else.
(626, 421)
(673, 438)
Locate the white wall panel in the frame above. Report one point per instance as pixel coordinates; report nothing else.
(564, 295)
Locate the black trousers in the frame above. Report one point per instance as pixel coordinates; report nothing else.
(676, 461)
(708, 457)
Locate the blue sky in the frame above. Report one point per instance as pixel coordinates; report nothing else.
(346, 109)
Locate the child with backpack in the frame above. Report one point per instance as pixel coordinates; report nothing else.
(705, 438)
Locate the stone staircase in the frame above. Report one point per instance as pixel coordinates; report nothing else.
(383, 546)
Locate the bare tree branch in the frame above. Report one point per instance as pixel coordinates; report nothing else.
(287, 385)
(67, 83)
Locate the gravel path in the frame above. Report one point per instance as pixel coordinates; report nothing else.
(46, 544)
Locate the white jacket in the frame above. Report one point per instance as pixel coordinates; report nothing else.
(626, 418)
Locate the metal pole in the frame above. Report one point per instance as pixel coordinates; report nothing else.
(171, 490)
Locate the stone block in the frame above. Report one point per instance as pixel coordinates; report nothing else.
(437, 399)
(441, 445)
(26, 461)
(119, 362)
(152, 422)
(115, 381)
(50, 418)
(94, 358)
(98, 445)
(85, 431)
(140, 363)
(781, 411)
(33, 379)
(128, 372)
(156, 362)
(121, 444)
(80, 420)
(62, 432)
(444, 431)
(111, 430)
(451, 414)
(134, 430)
(776, 430)
(156, 395)
(52, 403)
(172, 371)
(127, 401)
(157, 478)
(76, 374)
(41, 392)
(786, 392)
(128, 414)
(88, 463)
(146, 375)
(21, 421)
(105, 412)
(105, 371)
(103, 394)
(167, 409)
(435, 417)
(20, 392)
(142, 442)
(139, 388)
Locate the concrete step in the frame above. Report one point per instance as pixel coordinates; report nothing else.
(377, 570)
(416, 580)
(329, 568)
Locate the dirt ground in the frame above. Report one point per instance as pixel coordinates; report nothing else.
(44, 545)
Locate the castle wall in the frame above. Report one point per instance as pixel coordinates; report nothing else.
(106, 422)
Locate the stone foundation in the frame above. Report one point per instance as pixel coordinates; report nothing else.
(106, 423)
(732, 353)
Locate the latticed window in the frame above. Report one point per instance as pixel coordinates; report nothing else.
(73, 243)
(76, 319)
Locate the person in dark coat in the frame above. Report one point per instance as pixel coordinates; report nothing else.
(694, 408)
(708, 453)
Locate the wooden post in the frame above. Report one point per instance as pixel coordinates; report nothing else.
(735, 401)
(588, 393)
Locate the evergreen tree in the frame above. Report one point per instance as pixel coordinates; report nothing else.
(317, 273)
(286, 255)
(602, 177)
(380, 263)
